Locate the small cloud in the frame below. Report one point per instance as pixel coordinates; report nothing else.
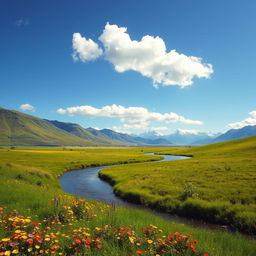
(27, 107)
(187, 131)
(148, 56)
(21, 22)
(157, 129)
(250, 121)
(135, 116)
(85, 49)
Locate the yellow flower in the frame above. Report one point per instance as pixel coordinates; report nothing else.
(15, 251)
(150, 241)
(47, 239)
(37, 246)
(18, 231)
(6, 239)
(30, 249)
(7, 253)
(24, 237)
(131, 240)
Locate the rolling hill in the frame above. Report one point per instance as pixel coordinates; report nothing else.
(17, 128)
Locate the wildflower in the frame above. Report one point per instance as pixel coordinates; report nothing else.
(131, 240)
(78, 241)
(15, 251)
(139, 252)
(7, 253)
(6, 239)
(30, 249)
(150, 241)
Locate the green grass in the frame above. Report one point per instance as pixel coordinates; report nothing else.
(222, 177)
(29, 183)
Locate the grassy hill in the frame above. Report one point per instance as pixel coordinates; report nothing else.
(217, 184)
(87, 134)
(17, 128)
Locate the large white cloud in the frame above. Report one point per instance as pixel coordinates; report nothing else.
(148, 57)
(135, 117)
(85, 49)
(27, 107)
(246, 122)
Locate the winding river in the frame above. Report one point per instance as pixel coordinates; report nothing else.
(87, 184)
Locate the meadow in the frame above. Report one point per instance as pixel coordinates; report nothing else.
(37, 218)
(217, 184)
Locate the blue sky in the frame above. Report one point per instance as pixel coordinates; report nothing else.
(37, 67)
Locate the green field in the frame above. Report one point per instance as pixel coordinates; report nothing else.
(218, 184)
(29, 185)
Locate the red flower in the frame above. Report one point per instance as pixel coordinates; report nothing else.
(139, 252)
(30, 241)
(35, 223)
(78, 241)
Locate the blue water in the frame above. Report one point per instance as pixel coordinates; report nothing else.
(87, 184)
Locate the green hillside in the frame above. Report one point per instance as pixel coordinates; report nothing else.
(87, 134)
(21, 129)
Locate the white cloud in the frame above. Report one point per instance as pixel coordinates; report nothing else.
(246, 122)
(253, 113)
(148, 57)
(160, 128)
(186, 131)
(85, 49)
(135, 116)
(27, 107)
(21, 22)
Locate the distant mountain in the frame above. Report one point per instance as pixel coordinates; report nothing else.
(17, 128)
(182, 138)
(234, 134)
(88, 134)
(134, 139)
(150, 135)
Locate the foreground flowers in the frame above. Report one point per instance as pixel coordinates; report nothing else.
(54, 236)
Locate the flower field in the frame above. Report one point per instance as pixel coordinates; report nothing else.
(55, 235)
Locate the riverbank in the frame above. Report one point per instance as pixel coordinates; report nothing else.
(217, 185)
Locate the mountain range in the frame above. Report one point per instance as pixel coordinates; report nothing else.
(17, 128)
